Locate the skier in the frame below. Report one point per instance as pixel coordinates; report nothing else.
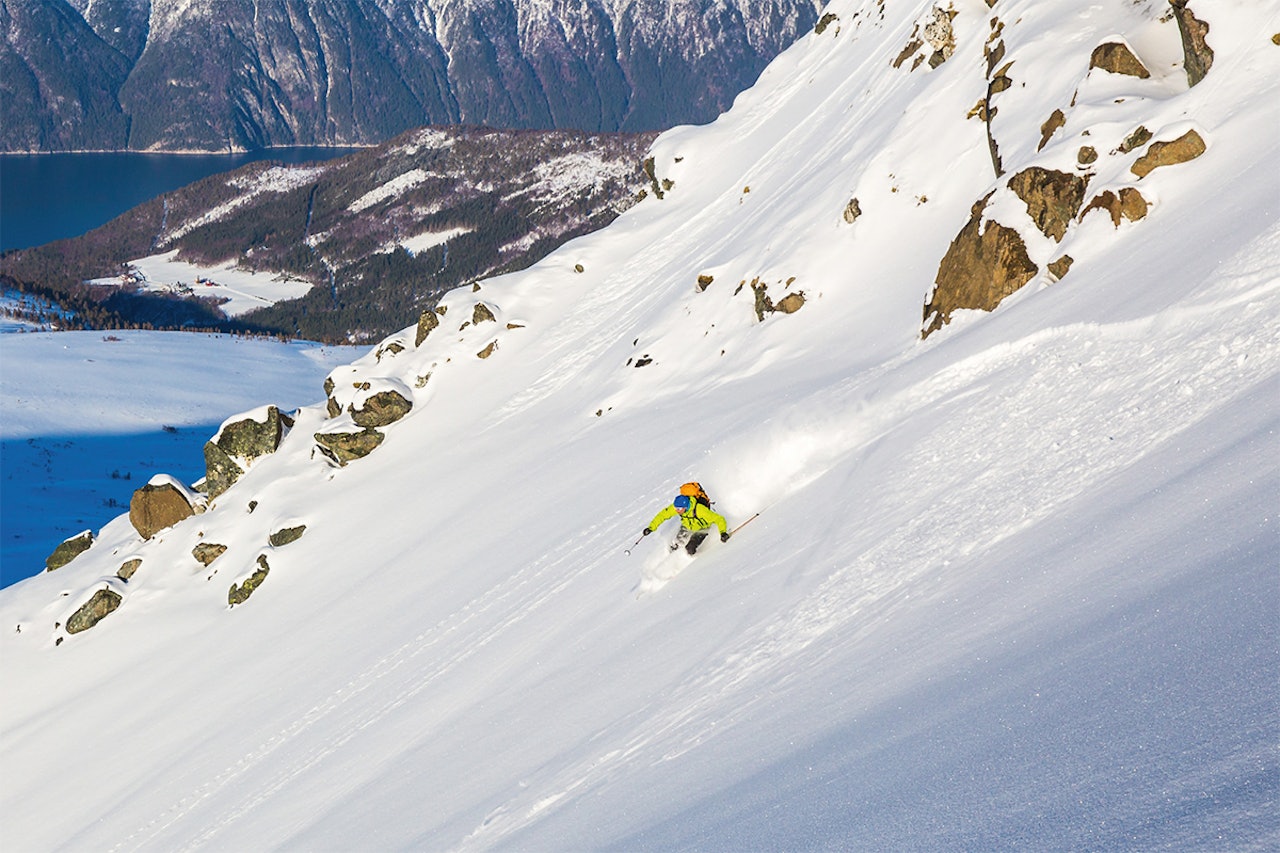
(696, 516)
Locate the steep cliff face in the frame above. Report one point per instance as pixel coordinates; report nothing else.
(58, 80)
(242, 74)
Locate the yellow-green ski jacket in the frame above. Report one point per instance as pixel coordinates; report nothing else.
(696, 517)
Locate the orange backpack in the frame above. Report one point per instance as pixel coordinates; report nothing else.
(696, 492)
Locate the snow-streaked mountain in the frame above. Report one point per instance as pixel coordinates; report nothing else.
(1012, 586)
(213, 75)
(349, 249)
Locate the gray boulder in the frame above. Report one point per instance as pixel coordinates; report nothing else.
(344, 447)
(68, 550)
(103, 602)
(381, 408)
(240, 594)
(238, 444)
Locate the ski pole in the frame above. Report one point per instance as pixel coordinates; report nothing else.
(743, 524)
(633, 544)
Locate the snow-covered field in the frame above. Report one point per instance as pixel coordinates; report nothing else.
(87, 417)
(1012, 587)
(243, 290)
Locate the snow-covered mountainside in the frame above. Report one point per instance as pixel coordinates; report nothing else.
(1012, 584)
(214, 75)
(86, 417)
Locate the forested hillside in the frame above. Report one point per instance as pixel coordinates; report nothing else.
(379, 234)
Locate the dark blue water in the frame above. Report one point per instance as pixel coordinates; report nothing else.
(46, 197)
(55, 486)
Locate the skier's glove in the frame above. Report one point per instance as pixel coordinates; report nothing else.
(647, 531)
(724, 537)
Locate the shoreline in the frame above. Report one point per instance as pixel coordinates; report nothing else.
(189, 152)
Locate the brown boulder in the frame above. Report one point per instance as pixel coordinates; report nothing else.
(1118, 59)
(981, 267)
(1052, 198)
(791, 303)
(1127, 204)
(1059, 268)
(157, 506)
(1051, 125)
(852, 211)
(1186, 147)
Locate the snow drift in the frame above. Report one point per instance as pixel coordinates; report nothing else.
(1012, 585)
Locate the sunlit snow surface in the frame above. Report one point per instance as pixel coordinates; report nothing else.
(87, 417)
(1012, 587)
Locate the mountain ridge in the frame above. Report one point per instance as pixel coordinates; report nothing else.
(170, 75)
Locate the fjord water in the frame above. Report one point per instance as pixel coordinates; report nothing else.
(46, 197)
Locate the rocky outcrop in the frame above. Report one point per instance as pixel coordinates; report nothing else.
(1052, 198)
(1140, 137)
(940, 35)
(206, 552)
(427, 322)
(1128, 204)
(239, 594)
(380, 408)
(1051, 126)
(159, 505)
(791, 303)
(764, 304)
(937, 32)
(285, 535)
(68, 550)
(1198, 56)
(343, 446)
(1059, 268)
(103, 603)
(238, 444)
(128, 568)
(388, 349)
(1117, 58)
(1186, 147)
(982, 266)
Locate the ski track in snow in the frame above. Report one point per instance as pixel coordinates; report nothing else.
(1189, 368)
(1193, 374)
(516, 600)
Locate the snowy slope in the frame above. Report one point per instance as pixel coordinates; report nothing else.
(86, 417)
(1012, 586)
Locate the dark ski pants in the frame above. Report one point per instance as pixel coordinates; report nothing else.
(689, 539)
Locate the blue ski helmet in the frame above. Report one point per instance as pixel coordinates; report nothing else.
(682, 502)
